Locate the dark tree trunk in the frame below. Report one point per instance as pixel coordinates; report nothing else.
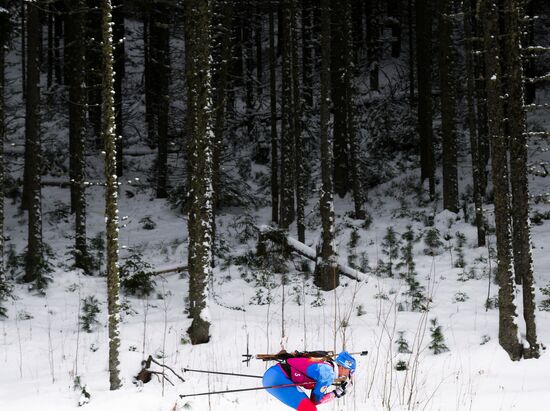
(4, 35)
(424, 73)
(159, 82)
(111, 189)
(94, 66)
(508, 330)
(374, 49)
(528, 39)
(477, 165)
(24, 48)
(197, 41)
(273, 110)
(34, 267)
(57, 38)
(448, 80)
(326, 272)
(74, 69)
(300, 168)
(287, 140)
(50, 56)
(521, 240)
(118, 50)
(394, 21)
(307, 53)
(222, 56)
(410, 25)
(339, 91)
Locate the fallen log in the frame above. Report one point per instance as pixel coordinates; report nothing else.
(290, 244)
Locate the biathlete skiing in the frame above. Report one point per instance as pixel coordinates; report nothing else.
(316, 374)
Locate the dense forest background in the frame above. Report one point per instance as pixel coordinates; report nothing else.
(141, 138)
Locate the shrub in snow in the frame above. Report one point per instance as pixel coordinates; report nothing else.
(432, 239)
(390, 247)
(401, 365)
(459, 248)
(491, 303)
(402, 343)
(135, 276)
(89, 311)
(263, 284)
(460, 297)
(360, 310)
(147, 223)
(437, 345)
(545, 304)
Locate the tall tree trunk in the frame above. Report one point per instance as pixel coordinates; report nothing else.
(447, 80)
(4, 35)
(57, 38)
(424, 72)
(326, 270)
(273, 109)
(394, 21)
(23, 48)
(287, 140)
(340, 87)
(197, 41)
(248, 42)
(528, 39)
(50, 57)
(222, 57)
(374, 49)
(148, 70)
(354, 146)
(307, 53)
(160, 72)
(300, 168)
(34, 267)
(410, 26)
(521, 240)
(93, 69)
(111, 202)
(508, 330)
(118, 50)
(481, 100)
(477, 165)
(74, 68)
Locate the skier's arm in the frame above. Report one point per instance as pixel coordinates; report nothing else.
(324, 377)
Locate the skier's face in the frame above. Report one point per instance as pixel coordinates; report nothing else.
(343, 372)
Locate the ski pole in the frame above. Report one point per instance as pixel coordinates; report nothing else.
(241, 390)
(221, 373)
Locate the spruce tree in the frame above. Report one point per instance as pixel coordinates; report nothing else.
(437, 344)
(199, 155)
(515, 113)
(326, 270)
(111, 195)
(74, 69)
(35, 264)
(4, 34)
(508, 330)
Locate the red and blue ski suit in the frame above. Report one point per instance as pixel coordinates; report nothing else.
(311, 373)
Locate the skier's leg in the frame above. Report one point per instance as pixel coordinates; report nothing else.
(291, 396)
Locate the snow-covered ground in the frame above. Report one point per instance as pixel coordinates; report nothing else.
(42, 349)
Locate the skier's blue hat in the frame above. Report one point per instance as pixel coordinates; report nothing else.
(344, 359)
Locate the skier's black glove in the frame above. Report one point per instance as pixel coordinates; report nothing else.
(340, 391)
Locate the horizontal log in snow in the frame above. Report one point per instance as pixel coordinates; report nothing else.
(282, 238)
(176, 268)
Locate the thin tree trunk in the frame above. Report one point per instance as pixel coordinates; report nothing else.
(424, 72)
(508, 330)
(197, 41)
(287, 140)
(160, 70)
(521, 240)
(410, 24)
(58, 36)
(93, 69)
(74, 68)
(477, 165)
(24, 48)
(118, 50)
(111, 202)
(326, 272)
(4, 34)
(273, 109)
(447, 79)
(34, 267)
(299, 171)
(307, 53)
(339, 93)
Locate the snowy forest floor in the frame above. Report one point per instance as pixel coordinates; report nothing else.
(42, 350)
